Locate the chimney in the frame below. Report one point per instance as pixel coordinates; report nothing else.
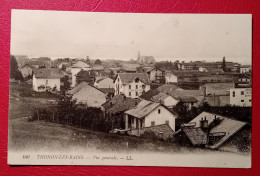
(204, 123)
(110, 103)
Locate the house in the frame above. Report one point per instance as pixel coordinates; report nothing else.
(165, 99)
(63, 65)
(36, 64)
(114, 109)
(171, 78)
(209, 130)
(47, 79)
(216, 88)
(246, 69)
(75, 69)
(244, 80)
(85, 76)
(98, 69)
(26, 70)
(147, 114)
(202, 69)
(88, 95)
(104, 82)
(155, 73)
(131, 84)
(241, 97)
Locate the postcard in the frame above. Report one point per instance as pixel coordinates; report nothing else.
(130, 89)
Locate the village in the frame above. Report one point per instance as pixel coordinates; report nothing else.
(198, 104)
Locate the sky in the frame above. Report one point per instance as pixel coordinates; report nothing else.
(121, 35)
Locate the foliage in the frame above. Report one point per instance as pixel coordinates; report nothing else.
(224, 64)
(14, 71)
(98, 62)
(66, 83)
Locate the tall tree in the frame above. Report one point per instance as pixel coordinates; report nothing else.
(87, 60)
(98, 62)
(224, 64)
(14, 71)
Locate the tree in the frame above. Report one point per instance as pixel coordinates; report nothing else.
(66, 107)
(14, 71)
(224, 64)
(98, 62)
(66, 83)
(88, 60)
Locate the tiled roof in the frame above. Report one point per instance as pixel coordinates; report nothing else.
(86, 74)
(142, 109)
(124, 105)
(97, 67)
(128, 77)
(209, 116)
(99, 79)
(219, 88)
(149, 94)
(151, 69)
(107, 90)
(48, 73)
(80, 64)
(116, 99)
(167, 88)
(77, 88)
(196, 135)
(227, 126)
(159, 97)
(187, 99)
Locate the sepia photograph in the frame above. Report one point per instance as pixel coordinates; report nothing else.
(130, 89)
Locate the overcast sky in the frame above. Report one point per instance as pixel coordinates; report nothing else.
(121, 35)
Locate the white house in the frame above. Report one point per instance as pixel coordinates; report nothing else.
(47, 79)
(170, 78)
(104, 82)
(88, 95)
(246, 69)
(147, 114)
(26, 70)
(131, 84)
(202, 69)
(165, 99)
(75, 68)
(241, 97)
(155, 73)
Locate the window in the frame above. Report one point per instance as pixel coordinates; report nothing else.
(136, 87)
(249, 100)
(152, 123)
(234, 93)
(136, 80)
(143, 86)
(129, 94)
(167, 122)
(159, 111)
(136, 93)
(242, 101)
(129, 86)
(242, 92)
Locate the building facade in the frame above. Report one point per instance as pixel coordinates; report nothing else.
(132, 84)
(241, 97)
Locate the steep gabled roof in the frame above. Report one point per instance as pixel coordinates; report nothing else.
(128, 77)
(143, 108)
(80, 64)
(227, 126)
(196, 135)
(50, 73)
(77, 87)
(149, 94)
(126, 104)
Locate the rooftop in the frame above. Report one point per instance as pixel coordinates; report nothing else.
(50, 73)
(128, 77)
